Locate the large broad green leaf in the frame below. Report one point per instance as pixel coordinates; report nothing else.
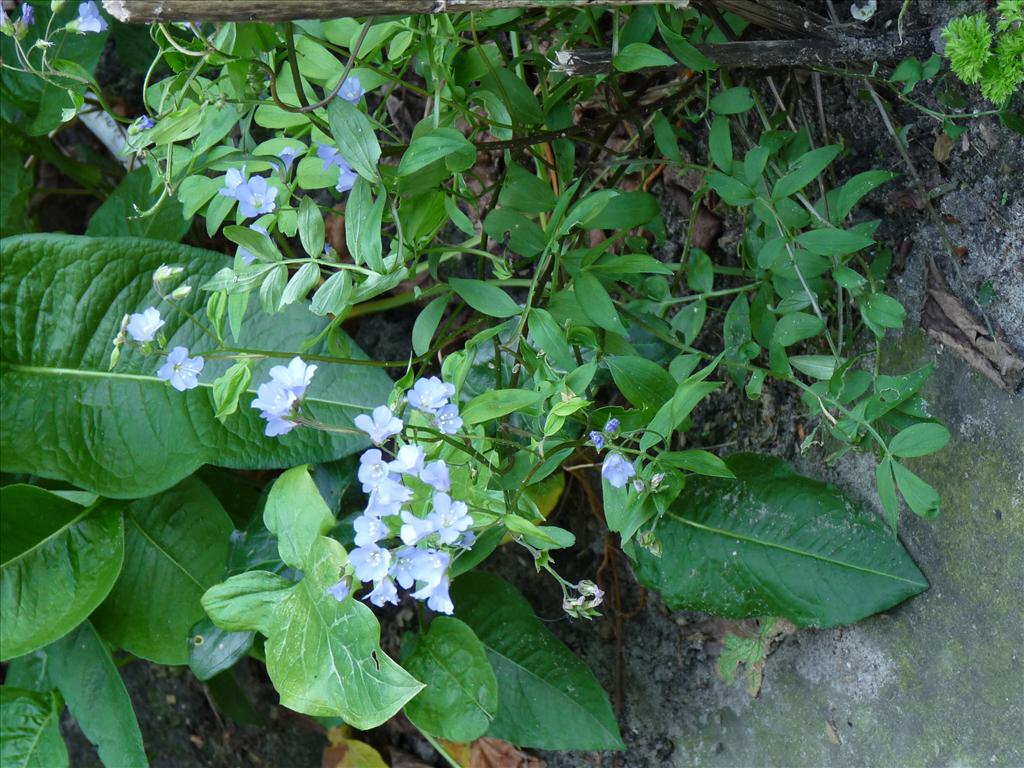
(125, 433)
(119, 214)
(81, 667)
(323, 656)
(15, 185)
(547, 698)
(176, 545)
(29, 732)
(58, 560)
(461, 697)
(774, 543)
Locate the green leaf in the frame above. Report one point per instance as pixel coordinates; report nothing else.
(440, 143)
(887, 492)
(804, 170)
(363, 216)
(425, 327)
(119, 214)
(683, 50)
(833, 242)
(485, 298)
(697, 461)
(668, 418)
(254, 242)
(732, 101)
(774, 543)
(58, 561)
(229, 387)
(848, 195)
(300, 284)
(919, 440)
(524, 192)
(323, 656)
(495, 403)
(176, 545)
(816, 366)
(356, 140)
(125, 433)
(720, 143)
(643, 382)
(212, 650)
(880, 311)
(641, 56)
(729, 189)
(537, 675)
(922, 498)
(29, 729)
(81, 667)
(333, 297)
(461, 697)
(597, 304)
(311, 228)
(796, 326)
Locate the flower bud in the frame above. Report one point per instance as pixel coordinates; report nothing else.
(181, 292)
(56, 5)
(164, 272)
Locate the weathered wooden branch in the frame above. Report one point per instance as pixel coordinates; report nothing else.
(285, 10)
(765, 54)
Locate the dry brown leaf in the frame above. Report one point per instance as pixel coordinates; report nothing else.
(942, 148)
(491, 753)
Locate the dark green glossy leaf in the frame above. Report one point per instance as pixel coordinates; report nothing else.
(176, 545)
(81, 667)
(211, 650)
(58, 561)
(485, 298)
(547, 698)
(125, 433)
(461, 697)
(773, 543)
(29, 730)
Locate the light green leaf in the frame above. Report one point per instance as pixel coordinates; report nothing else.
(732, 101)
(176, 545)
(229, 387)
(355, 137)
(58, 561)
(426, 324)
(363, 216)
(720, 143)
(438, 144)
(816, 366)
(641, 56)
(537, 675)
(644, 383)
(119, 214)
(697, 461)
(804, 170)
(485, 298)
(597, 305)
(774, 543)
(323, 656)
(461, 697)
(29, 729)
(833, 242)
(796, 326)
(922, 498)
(919, 440)
(495, 403)
(311, 228)
(81, 667)
(333, 297)
(300, 284)
(125, 433)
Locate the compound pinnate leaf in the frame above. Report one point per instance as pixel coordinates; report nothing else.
(176, 545)
(461, 697)
(323, 656)
(125, 433)
(58, 561)
(547, 698)
(775, 543)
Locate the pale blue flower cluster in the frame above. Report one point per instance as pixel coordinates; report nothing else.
(615, 469)
(89, 19)
(351, 90)
(420, 563)
(179, 369)
(277, 399)
(254, 195)
(332, 156)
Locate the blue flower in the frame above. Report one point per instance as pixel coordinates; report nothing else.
(295, 376)
(145, 123)
(616, 470)
(275, 402)
(611, 426)
(598, 440)
(181, 370)
(407, 562)
(28, 18)
(143, 326)
(381, 426)
(439, 599)
(288, 155)
(408, 461)
(435, 474)
(346, 177)
(370, 563)
(329, 155)
(449, 518)
(377, 507)
(89, 19)
(447, 419)
(384, 592)
(373, 469)
(338, 591)
(255, 197)
(389, 491)
(247, 256)
(428, 395)
(415, 528)
(351, 90)
(369, 530)
(233, 179)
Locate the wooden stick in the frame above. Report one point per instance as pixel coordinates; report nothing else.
(135, 11)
